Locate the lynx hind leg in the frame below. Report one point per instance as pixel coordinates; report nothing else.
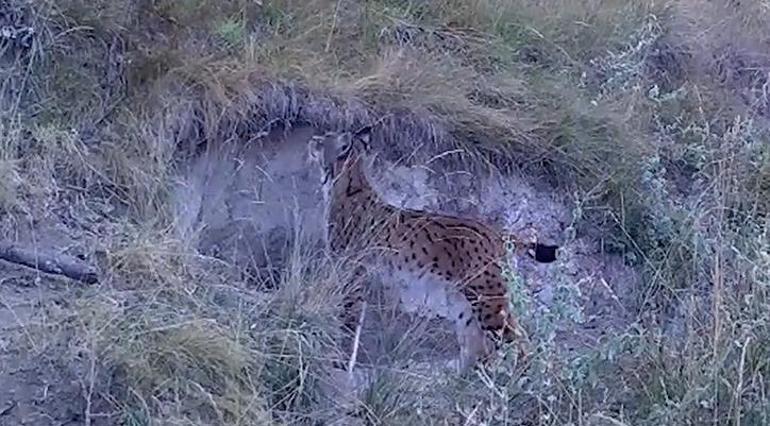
(489, 298)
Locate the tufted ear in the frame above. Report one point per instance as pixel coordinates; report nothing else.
(364, 137)
(343, 144)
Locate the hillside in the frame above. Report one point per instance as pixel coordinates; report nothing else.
(160, 144)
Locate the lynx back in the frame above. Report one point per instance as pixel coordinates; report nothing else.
(446, 265)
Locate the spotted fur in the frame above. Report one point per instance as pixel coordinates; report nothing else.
(460, 257)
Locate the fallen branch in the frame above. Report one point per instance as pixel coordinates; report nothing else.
(51, 263)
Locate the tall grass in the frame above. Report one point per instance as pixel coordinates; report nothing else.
(652, 115)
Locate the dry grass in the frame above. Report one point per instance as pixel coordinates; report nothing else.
(167, 341)
(653, 114)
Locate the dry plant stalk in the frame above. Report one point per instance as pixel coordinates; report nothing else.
(356, 340)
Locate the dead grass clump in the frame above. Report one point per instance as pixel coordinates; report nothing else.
(729, 50)
(557, 32)
(169, 341)
(146, 255)
(444, 92)
(163, 359)
(159, 358)
(136, 166)
(299, 333)
(10, 180)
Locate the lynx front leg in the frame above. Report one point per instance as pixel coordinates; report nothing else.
(353, 311)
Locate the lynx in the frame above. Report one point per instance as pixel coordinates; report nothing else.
(451, 263)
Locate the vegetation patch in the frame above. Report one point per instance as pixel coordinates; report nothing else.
(651, 117)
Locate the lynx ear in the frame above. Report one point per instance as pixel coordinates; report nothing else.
(344, 143)
(364, 137)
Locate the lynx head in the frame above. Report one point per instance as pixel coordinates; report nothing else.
(333, 151)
